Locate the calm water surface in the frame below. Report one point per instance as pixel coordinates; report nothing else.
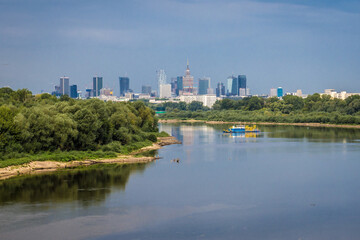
(285, 183)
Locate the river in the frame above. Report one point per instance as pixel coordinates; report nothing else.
(285, 183)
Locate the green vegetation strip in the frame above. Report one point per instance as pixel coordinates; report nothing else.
(290, 109)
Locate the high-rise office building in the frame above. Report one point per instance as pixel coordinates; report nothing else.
(280, 92)
(64, 86)
(165, 91)
(242, 81)
(179, 83)
(242, 86)
(204, 85)
(220, 89)
(173, 86)
(146, 89)
(124, 85)
(161, 77)
(188, 82)
(97, 85)
(232, 86)
(73, 91)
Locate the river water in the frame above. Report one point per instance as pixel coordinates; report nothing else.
(284, 183)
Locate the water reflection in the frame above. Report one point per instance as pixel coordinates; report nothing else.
(312, 133)
(242, 135)
(89, 185)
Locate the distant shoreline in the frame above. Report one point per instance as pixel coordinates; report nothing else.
(262, 123)
(37, 167)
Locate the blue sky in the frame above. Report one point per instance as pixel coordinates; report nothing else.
(309, 45)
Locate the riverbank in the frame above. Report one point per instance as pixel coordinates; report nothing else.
(37, 167)
(261, 123)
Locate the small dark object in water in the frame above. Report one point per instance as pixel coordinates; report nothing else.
(176, 160)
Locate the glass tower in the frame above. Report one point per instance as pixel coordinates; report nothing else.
(73, 91)
(124, 85)
(97, 85)
(204, 84)
(64, 86)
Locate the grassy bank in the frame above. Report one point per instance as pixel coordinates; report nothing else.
(111, 150)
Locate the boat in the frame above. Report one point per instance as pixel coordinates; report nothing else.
(241, 129)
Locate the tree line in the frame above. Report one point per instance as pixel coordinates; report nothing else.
(37, 123)
(314, 108)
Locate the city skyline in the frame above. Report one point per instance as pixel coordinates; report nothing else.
(293, 44)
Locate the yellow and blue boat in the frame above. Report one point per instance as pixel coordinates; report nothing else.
(241, 129)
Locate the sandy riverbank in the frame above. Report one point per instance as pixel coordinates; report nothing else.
(261, 123)
(36, 167)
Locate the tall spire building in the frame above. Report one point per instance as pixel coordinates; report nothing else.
(188, 82)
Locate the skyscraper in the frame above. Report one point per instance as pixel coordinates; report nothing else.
(220, 89)
(280, 92)
(161, 75)
(64, 86)
(73, 91)
(204, 85)
(242, 81)
(124, 85)
(188, 82)
(179, 82)
(174, 86)
(97, 85)
(232, 86)
(242, 86)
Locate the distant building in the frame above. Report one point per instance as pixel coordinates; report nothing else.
(210, 91)
(161, 78)
(179, 83)
(124, 85)
(89, 93)
(242, 92)
(97, 85)
(204, 85)
(299, 93)
(341, 95)
(73, 91)
(242, 81)
(280, 92)
(129, 95)
(207, 100)
(146, 89)
(56, 92)
(273, 92)
(232, 86)
(165, 91)
(64, 86)
(220, 89)
(174, 86)
(106, 92)
(188, 82)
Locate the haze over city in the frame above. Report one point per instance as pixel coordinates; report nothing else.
(293, 44)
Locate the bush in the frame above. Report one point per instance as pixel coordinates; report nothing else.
(152, 137)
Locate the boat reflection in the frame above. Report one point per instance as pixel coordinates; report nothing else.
(242, 135)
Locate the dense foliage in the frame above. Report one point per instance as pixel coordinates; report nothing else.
(43, 123)
(291, 109)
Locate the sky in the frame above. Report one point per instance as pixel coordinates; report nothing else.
(299, 44)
